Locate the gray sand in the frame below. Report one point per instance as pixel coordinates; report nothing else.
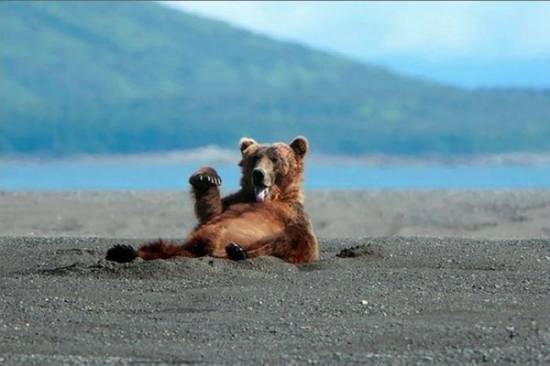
(394, 300)
(472, 214)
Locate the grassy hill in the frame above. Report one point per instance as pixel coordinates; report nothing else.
(90, 77)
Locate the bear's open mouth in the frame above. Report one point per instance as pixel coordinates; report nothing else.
(261, 193)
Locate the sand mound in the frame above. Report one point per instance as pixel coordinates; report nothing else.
(366, 250)
(91, 263)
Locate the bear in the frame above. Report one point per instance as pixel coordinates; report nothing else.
(265, 217)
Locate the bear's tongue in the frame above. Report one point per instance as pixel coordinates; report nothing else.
(261, 193)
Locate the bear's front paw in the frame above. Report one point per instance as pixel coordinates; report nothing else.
(235, 252)
(205, 178)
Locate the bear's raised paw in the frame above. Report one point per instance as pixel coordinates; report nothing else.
(205, 178)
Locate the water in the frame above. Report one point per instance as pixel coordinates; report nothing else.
(116, 175)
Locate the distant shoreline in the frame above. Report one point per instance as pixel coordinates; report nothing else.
(216, 155)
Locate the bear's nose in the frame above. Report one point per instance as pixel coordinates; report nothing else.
(258, 177)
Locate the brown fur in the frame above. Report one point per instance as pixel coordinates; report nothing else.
(277, 226)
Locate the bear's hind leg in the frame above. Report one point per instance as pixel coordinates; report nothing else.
(205, 186)
(160, 249)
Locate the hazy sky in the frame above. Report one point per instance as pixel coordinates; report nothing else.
(467, 43)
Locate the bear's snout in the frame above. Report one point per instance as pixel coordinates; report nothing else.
(258, 177)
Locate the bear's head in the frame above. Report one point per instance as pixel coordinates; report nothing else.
(273, 172)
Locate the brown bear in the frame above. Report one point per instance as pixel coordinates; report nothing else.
(265, 217)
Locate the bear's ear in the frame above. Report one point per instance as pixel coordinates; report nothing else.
(245, 143)
(300, 146)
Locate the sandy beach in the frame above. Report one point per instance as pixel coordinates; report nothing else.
(504, 214)
(429, 277)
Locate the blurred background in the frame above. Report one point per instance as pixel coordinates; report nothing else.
(138, 95)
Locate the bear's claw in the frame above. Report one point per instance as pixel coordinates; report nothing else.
(235, 252)
(205, 178)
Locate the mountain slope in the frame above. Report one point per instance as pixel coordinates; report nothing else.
(130, 77)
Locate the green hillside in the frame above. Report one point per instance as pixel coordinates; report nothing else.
(83, 77)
